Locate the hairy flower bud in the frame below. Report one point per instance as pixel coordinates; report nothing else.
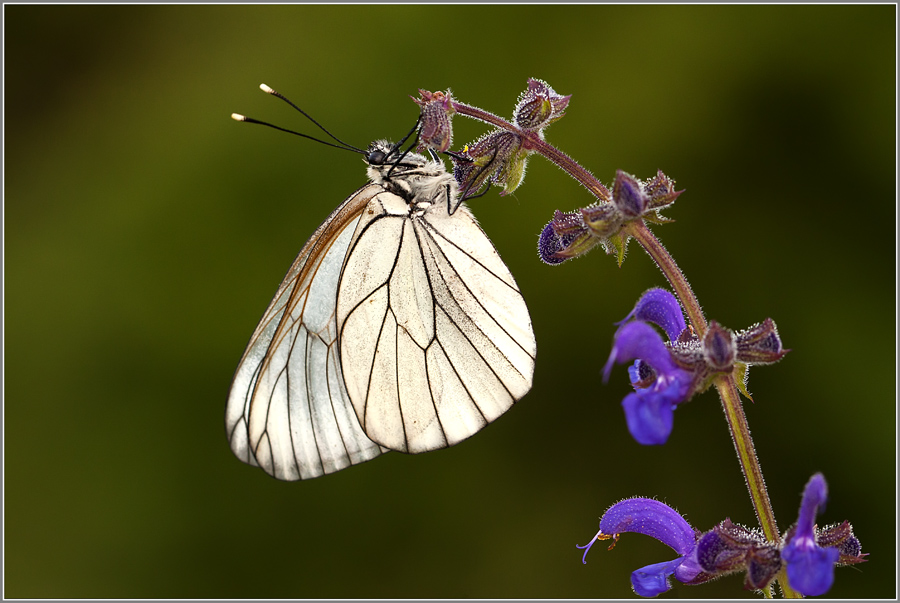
(539, 106)
(718, 347)
(495, 156)
(840, 536)
(628, 195)
(660, 191)
(730, 547)
(436, 132)
(602, 219)
(564, 238)
(760, 344)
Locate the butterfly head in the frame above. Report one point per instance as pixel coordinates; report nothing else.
(420, 181)
(387, 162)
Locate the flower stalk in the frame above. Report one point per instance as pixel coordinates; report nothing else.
(664, 374)
(532, 141)
(666, 263)
(725, 384)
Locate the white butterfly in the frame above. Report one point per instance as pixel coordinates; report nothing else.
(398, 327)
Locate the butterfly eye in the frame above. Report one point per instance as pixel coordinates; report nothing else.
(376, 157)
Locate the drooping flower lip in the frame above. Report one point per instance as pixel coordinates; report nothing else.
(638, 340)
(660, 383)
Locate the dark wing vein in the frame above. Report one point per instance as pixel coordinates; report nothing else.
(432, 231)
(434, 338)
(474, 324)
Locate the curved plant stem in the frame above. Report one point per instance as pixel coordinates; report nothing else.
(725, 384)
(531, 141)
(743, 444)
(728, 393)
(670, 270)
(731, 404)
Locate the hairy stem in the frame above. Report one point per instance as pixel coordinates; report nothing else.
(670, 270)
(531, 141)
(725, 384)
(728, 393)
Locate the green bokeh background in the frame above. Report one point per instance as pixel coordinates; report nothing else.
(146, 232)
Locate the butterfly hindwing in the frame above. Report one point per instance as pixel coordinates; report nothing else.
(288, 410)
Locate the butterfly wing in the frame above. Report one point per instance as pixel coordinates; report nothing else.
(435, 337)
(288, 410)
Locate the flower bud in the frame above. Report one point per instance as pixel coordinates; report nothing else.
(841, 536)
(493, 156)
(760, 344)
(718, 347)
(564, 238)
(730, 547)
(603, 219)
(539, 106)
(661, 191)
(436, 132)
(628, 195)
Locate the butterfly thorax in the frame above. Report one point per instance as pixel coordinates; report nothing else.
(418, 180)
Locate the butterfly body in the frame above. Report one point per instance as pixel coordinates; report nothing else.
(398, 327)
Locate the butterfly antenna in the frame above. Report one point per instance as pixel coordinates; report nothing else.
(408, 149)
(408, 134)
(275, 93)
(250, 120)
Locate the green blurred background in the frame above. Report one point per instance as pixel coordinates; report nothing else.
(146, 232)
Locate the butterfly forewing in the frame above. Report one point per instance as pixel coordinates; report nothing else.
(435, 337)
(288, 410)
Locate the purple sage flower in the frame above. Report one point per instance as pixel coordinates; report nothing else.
(660, 521)
(665, 374)
(809, 554)
(660, 383)
(810, 567)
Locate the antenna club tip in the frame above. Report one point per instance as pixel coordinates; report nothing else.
(238, 117)
(266, 89)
